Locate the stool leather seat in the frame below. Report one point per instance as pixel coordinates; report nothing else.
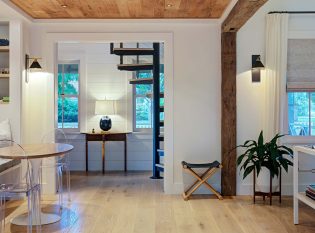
(201, 165)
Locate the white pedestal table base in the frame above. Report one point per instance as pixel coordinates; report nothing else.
(46, 218)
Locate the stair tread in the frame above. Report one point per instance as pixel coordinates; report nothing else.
(135, 67)
(161, 138)
(141, 81)
(149, 95)
(133, 51)
(143, 64)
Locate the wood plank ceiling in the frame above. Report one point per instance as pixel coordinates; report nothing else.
(122, 9)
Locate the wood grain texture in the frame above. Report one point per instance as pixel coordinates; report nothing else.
(122, 9)
(242, 11)
(35, 151)
(239, 15)
(133, 203)
(228, 120)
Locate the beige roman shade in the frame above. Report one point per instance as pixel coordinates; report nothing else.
(301, 65)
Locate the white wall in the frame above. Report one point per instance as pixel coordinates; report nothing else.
(251, 96)
(196, 87)
(196, 77)
(100, 78)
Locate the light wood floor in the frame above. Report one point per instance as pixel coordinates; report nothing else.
(133, 203)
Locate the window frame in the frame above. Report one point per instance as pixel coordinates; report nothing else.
(134, 104)
(68, 62)
(291, 139)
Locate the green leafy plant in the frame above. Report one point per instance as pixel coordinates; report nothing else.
(259, 154)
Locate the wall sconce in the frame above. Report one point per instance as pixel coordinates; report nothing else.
(34, 66)
(256, 67)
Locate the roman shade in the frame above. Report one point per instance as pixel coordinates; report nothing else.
(301, 65)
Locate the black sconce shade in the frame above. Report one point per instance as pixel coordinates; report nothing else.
(257, 65)
(256, 62)
(35, 65)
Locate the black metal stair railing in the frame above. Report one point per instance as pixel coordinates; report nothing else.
(156, 95)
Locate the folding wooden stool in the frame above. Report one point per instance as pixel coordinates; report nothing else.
(201, 179)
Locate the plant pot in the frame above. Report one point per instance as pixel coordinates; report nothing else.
(263, 181)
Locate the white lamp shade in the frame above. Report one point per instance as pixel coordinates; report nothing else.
(105, 107)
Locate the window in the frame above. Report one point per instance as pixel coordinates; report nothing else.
(142, 99)
(68, 95)
(301, 87)
(143, 107)
(301, 113)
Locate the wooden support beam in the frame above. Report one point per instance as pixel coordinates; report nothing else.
(228, 122)
(240, 14)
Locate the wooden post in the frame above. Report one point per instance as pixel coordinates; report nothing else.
(239, 15)
(228, 123)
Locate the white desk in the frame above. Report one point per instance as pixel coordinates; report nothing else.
(300, 196)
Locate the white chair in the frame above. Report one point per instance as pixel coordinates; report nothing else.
(28, 185)
(62, 164)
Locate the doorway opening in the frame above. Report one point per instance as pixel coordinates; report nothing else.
(93, 71)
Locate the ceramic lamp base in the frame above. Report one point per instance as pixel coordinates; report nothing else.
(105, 123)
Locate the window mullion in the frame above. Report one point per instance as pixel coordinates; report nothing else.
(310, 113)
(62, 94)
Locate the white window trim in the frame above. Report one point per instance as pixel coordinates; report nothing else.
(293, 139)
(68, 130)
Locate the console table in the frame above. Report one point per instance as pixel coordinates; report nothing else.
(104, 137)
(298, 151)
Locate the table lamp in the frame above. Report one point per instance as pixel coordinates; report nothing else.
(105, 108)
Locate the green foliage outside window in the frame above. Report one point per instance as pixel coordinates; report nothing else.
(143, 103)
(301, 113)
(68, 90)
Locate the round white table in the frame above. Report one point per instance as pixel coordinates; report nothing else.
(36, 152)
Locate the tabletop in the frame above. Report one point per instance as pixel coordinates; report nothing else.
(105, 132)
(35, 151)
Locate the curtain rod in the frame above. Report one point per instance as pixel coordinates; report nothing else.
(292, 12)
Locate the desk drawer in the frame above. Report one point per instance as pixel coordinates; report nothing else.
(115, 137)
(94, 137)
(106, 137)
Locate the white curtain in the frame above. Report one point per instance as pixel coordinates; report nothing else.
(276, 67)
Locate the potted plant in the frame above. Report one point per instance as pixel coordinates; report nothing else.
(264, 157)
